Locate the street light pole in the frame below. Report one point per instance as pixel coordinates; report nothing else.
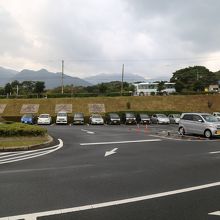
(122, 79)
(62, 76)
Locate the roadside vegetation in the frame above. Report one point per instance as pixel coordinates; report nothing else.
(190, 80)
(17, 135)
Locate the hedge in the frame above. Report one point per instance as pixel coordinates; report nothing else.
(19, 129)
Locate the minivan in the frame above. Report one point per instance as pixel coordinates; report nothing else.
(62, 118)
(199, 123)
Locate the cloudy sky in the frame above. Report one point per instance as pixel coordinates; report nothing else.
(153, 38)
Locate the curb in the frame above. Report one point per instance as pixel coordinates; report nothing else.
(46, 144)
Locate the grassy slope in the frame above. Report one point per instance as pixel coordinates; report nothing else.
(194, 103)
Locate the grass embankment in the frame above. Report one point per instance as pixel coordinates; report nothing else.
(17, 135)
(177, 103)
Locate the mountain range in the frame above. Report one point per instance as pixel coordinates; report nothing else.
(53, 80)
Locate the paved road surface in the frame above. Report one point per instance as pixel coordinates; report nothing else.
(145, 163)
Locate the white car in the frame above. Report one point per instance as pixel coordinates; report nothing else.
(160, 119)
(217, 115)
(96, 119)
(44, 119)
(62, 118)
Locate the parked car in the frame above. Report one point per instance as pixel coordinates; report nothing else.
(174, 118)
(28, 119)
(44, 119)
(113, 118)
(143, 118)
(78, 118)
(199, 123)
(96, 119)
(160, 119)
(217, 115)
(62, 118)
(129, 118)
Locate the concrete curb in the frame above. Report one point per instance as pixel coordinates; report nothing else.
(46, 144)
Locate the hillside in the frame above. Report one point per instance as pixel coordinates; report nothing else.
(128, 77)
(189, 103)
(51, 79)
(6, 75)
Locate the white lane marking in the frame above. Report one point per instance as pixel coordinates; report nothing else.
(33, 154)
(88, 132)
(215, 213)
(119, 142)
(214, 152)
(34, 216)
(9, 154)
(108, 153)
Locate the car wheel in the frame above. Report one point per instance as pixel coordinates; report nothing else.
(181, 131)
(208, 134)
(141, 94)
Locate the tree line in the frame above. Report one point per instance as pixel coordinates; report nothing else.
(190, 79)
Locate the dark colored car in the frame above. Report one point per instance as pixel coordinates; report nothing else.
(78, 118)
(143, 118)
(28, 119)
(113, 119)
(129, 118)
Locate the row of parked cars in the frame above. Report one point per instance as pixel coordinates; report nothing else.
(111, 118)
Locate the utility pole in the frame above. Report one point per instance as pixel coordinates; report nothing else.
(122, 79)
(62, 76)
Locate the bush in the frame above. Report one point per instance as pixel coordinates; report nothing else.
(19, 129)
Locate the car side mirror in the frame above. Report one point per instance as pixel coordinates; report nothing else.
(200, 120)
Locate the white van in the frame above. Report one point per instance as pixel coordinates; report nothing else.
(62, 118)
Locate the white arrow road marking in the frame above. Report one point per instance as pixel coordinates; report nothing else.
(214, 152)
(24, 155)
(215, 213)
(119, 142)
(108, 153)
(34, 216)
(88, 132)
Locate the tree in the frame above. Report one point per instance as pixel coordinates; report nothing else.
(160, 87)
(193, 78)
(39, 87)
(8, 88)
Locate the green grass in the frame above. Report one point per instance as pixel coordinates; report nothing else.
(21, 142)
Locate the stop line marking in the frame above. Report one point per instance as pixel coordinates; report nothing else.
(119, 142)
(24, 155)
(34, 216)
(217, 213)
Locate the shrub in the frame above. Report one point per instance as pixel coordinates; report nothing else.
(19, 129)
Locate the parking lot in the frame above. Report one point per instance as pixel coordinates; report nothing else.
(114, 172)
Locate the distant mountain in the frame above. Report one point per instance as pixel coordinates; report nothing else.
(128, 77)
(6, 75)
(51, 79)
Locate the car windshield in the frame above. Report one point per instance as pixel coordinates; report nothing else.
(210, 118)
(62, 114)
(28, 116)
(176, 115)
(144, 116)
(161, 116)
(44, 116)
(218, 114)
(78, 115)
(129, 115)
(96, 116)
(114, 116)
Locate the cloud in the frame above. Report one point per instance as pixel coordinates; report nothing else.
(152, 38)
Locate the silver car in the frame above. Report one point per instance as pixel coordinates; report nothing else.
(96, 119)
(160, 119)
(199, 123)
(174, 118)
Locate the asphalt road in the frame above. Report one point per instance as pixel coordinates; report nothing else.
(125, 185)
